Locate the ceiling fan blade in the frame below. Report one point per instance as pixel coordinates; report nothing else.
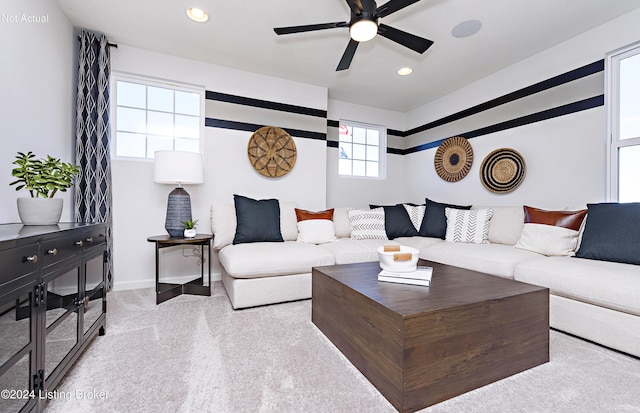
(347, 57)
(355, 6)
(309, 27)
(393, 6)
(413, 42)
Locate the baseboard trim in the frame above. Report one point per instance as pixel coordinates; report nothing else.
(151, 282)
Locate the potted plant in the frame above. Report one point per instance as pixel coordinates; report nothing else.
(189, 228)
(43, 178)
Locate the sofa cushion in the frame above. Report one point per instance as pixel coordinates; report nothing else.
(265, 259)
(608, 284)
(397, 222)
(467, 225)
(288, 221)
(348, 251)
(494, 259)
(434, 223)
(367, 224)
(315, 227)
(612, 233)
(505, 225)
(341, 222)
(223, 222)
(418, 242)
(257, 220)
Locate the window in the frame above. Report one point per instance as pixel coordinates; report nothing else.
(361, 150)
(151, 116)
(624, 123)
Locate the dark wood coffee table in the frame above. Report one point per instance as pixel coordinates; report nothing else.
(422, 345)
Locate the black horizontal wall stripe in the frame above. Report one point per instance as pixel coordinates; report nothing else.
(393, 132)
(252, 127)
(521, 121)
(334, 144)
(563, 78)
(265, 104)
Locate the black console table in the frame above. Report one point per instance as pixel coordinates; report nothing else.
(52, 304)
(166, 291)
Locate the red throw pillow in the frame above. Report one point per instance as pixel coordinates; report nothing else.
(303, 215)
(566, 219)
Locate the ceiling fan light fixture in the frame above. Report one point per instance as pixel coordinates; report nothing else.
(197, 15)
(363, 30)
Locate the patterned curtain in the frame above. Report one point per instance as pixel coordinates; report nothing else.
(93, 186)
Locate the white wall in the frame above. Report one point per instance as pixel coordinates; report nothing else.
(36, 86)
(565, 156)
(139, 204)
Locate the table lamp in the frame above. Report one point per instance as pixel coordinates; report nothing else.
(178, 168)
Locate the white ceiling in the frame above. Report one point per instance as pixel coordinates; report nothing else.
(239, 34)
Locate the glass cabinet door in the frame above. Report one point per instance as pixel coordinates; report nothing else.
(61, 318)
(93, 291)
(17, 357)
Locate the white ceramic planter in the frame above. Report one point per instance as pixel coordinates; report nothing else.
(40, 211)
(189, 233)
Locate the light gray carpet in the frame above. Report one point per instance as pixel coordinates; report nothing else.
(195, 354)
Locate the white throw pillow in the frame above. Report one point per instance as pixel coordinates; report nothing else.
(548, 239)
(316, 231)
(416, 213)
(470, 226)
(367, 224)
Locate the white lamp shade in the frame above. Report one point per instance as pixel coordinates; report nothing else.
(177, 167)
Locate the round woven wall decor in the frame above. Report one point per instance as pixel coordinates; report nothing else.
(453, 159)
(272, 151)
(502, 170)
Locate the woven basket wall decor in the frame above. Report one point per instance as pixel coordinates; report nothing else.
(272, 152)
(502, 170)
(453, 159)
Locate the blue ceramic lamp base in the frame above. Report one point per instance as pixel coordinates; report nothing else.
(178, 210)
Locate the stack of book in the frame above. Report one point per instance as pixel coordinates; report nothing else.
(421, 276)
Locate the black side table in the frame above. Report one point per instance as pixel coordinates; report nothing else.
(166, 291)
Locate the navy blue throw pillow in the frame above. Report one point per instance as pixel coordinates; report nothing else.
(612, 233)
(434, 222)
(257, 220)
(397, 222)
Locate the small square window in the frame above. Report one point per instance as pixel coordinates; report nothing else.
(361, 150)
(149, 116)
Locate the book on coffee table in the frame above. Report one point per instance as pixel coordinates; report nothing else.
(421, 276)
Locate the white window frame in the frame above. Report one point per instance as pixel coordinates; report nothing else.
(614, 143)
(382, 149)
(154, 82)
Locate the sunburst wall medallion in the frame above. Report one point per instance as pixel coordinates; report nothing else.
(272, 152)
(453, 159)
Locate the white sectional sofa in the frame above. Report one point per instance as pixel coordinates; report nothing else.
(596, 300)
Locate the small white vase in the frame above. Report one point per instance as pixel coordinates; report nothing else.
(189, 233)
(40, 211)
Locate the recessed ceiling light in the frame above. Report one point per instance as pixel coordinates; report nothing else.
(466, 28)
(404, 71)
(197, 15)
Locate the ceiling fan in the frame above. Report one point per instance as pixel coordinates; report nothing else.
(364, 26)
